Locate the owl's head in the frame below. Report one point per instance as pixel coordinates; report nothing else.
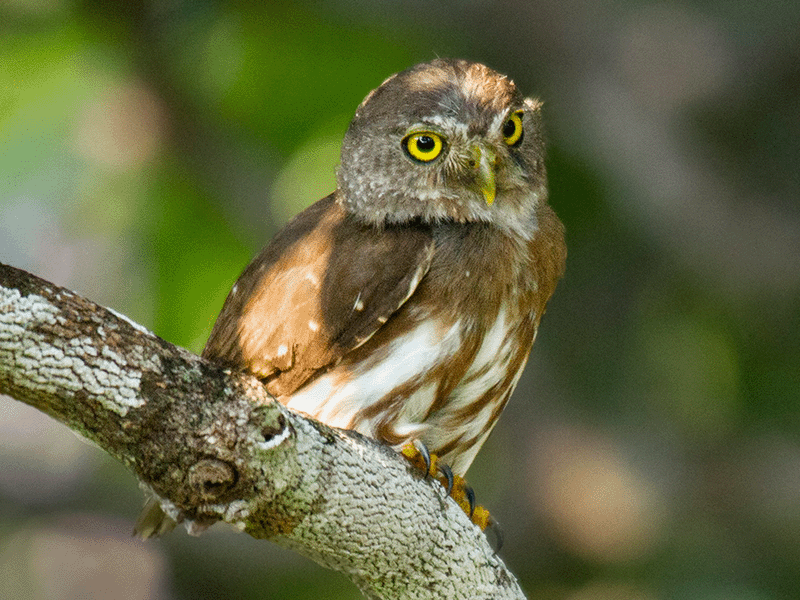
(445, 140)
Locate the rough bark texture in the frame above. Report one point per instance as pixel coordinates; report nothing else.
(214, 446)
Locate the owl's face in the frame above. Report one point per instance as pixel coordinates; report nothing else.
(445, 140)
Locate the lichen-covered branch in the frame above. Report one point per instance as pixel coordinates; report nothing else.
(214, 446)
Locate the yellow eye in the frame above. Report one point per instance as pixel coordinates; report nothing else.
(423, 145)
(512, 128)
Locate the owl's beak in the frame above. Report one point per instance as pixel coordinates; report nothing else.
(483, 161)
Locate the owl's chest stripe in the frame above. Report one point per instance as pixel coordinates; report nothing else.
(401, 397)
(347, 395)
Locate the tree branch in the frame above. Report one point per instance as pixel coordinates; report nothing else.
(213, 445)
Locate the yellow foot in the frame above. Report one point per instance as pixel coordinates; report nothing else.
(456, 486)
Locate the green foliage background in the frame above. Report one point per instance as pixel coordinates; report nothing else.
(652, 449)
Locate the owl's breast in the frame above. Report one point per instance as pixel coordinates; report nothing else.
(442, 368)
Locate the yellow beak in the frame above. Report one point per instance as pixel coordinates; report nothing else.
(484, 163)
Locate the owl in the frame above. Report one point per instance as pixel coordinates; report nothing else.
(404, 304)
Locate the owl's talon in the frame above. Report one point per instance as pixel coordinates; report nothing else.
(457, 488)
(424, 454)
(497, 532)
(470, 493)
(417, 454)
(447, 473)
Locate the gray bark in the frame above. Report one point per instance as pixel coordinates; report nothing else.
(214, 446)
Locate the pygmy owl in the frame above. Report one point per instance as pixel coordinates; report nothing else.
(404, 305)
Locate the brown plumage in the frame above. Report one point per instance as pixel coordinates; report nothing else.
(404, 305)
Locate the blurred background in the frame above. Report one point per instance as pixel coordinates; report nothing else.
(652, 449)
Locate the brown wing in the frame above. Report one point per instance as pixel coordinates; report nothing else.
(322, 287)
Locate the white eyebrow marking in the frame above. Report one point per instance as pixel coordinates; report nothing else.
(313, 325)
(312, 278)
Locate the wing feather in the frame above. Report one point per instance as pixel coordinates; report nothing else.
(321, 288)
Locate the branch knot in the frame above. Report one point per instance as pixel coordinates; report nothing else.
(211, 478)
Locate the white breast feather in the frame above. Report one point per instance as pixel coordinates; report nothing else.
(335, 399)
(492, 357)
(488, 369)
